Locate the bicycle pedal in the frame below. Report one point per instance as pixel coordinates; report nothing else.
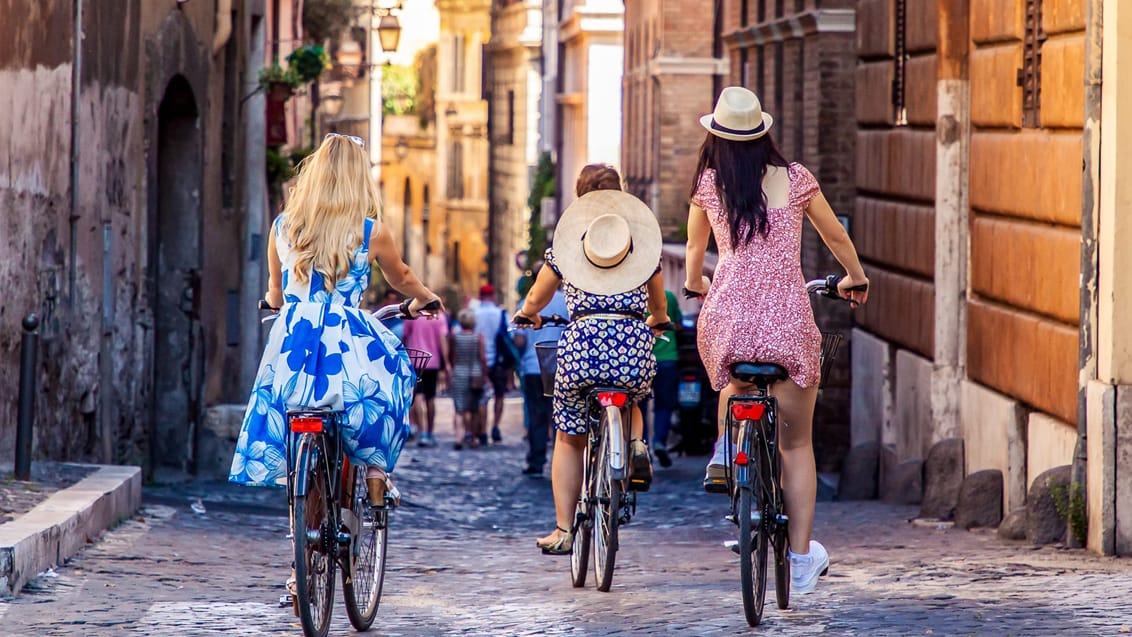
(732, 545)
(639, 485)
(285, 601)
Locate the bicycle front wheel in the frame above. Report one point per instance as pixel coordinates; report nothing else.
(752, 555)
(607, 505)
(315, 540)
(363, 581)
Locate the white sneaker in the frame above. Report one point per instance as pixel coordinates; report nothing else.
(805, 569)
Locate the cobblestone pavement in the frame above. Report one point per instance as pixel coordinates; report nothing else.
(463, 562)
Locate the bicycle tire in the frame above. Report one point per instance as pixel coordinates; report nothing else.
(362, 583)
(607, 508)
(583, 522)
(781, 570)
(752, 557)
(314, 563)
(768, 470)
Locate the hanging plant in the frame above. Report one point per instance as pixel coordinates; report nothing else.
(308, 62)
(276, 78)
(325, 19)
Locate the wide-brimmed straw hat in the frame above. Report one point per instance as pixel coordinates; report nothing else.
(607, 242)
(738, 116)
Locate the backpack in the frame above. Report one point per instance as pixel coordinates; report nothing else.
(507, 354)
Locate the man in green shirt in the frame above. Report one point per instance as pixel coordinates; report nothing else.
(665, 386)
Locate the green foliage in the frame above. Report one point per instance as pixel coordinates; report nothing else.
(276, 74)
(325, 19)
(308, 62)
(1070, 505)
(281, 167)
(398, 89)
(544, 186)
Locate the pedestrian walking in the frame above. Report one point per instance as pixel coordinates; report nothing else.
(322, 350)
(469, 375)
(757, 308)
(502, 358)
(535, 402)
(666, 385)
(606, 257)
(431, 337)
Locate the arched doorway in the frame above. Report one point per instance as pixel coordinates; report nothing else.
(176, 266)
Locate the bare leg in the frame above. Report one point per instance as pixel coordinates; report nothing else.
(566, 480)
(430, 414)
(415, 413)
(637, 424)
(796, 447)
(498, 411)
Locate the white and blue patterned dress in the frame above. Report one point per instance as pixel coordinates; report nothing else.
(600, 352)
(325, 352)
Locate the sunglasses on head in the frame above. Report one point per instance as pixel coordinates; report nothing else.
(361, 143)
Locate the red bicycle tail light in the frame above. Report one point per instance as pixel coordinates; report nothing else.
(306, 425)
(612, 398)
(747, 411)
(741, 459)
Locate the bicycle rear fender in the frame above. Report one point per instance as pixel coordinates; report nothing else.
(306, 459)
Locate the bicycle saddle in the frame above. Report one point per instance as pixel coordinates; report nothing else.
(760, 374)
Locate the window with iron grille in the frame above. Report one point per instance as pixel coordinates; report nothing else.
(1030, 75)
(900, 62)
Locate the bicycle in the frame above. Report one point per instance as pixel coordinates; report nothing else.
(757, 505)
(609, 494)
(329, 502)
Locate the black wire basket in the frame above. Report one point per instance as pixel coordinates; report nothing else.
(547, 352)
(830, 343)
(418, 357)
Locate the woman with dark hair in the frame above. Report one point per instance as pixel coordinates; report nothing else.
(757, 308)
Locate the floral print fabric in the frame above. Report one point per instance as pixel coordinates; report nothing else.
(600, 352)
(323, 352)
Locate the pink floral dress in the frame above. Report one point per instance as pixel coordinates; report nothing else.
(757, 308)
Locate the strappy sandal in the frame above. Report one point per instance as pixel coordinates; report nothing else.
(562, 546)
(381, 489)
(290, 599)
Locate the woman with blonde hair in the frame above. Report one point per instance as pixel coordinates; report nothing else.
(324, 351)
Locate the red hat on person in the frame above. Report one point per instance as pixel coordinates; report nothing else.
(487, 290)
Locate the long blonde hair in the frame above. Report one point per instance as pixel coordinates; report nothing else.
(325, 214)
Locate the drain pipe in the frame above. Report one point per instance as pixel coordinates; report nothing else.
(1090, 203)
(252, 283)
(76, 111)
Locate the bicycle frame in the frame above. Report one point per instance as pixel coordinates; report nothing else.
(755, 417)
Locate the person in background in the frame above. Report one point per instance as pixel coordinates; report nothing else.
(535, 403)
(490, 318)
(469, 374)
(432, 337)
(665, 386)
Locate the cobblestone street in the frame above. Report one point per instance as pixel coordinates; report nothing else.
(463, 562)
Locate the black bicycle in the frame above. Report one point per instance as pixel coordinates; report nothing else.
(333, 522)
(609, 493)
(757, 505)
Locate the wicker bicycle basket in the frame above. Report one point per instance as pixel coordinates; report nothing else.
(418, 357)
(830, 343)
(547, 352)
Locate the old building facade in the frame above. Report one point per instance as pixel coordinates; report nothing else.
(124, 197)
(997, 279)
(671, 72)
(514, 93)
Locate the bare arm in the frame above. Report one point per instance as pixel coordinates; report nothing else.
(445, 350)
(658, 303)
(483, 356)
(274, 296)
(699, 231)
(397, 273)
(837, 240)
(539, 295)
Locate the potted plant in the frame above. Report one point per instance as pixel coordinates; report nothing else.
(278, 82)
(308, 62)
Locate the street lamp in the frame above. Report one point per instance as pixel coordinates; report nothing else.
(389, 32)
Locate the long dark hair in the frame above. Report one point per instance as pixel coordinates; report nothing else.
(739, 171)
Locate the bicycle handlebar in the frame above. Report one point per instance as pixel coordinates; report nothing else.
(554, 319)
(826, 287)
(396, 310)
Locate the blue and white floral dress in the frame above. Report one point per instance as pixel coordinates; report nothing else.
(325, 352)
(600, 352)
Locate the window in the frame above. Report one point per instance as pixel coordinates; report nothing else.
(900, 60)
(458, 64)
(407, 218)
(510, 117)
(424, 221)
(455, 170)
(1030, 75)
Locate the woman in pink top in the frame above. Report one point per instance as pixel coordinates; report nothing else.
(757, 308)
(432, 337)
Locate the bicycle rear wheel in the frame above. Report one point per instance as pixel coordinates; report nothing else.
(583, 521)
(315, 540)
(781, 569)
(362, 583)
(606, 506)
(752, 553)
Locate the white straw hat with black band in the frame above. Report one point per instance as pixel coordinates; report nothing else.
(738, 116)
(607, 242)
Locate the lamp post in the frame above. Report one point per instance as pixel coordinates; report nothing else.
(386, 33)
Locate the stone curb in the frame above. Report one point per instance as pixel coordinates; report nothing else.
(62, 524)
